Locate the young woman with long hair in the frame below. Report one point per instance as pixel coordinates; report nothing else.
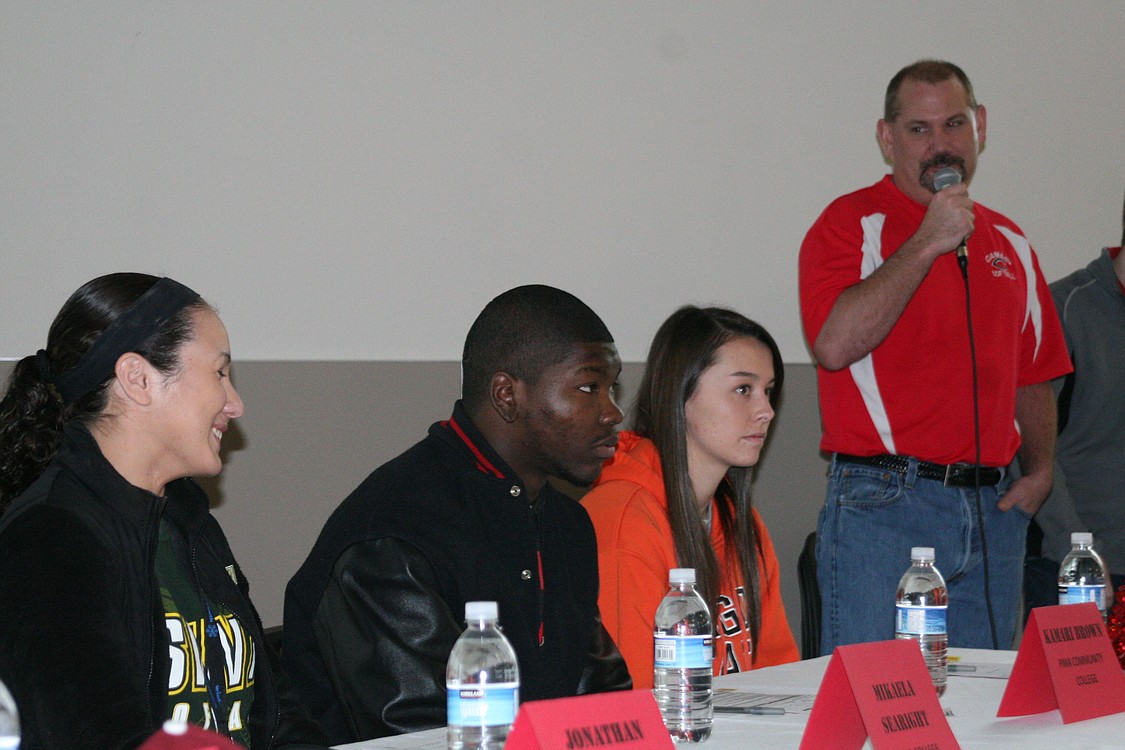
(677, 493)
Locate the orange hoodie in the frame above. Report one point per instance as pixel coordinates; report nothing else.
(635, 553)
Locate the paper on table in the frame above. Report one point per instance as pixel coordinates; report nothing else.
(733, 697)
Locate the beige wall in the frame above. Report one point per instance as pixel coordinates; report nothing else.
(395, 164)
(312, 431)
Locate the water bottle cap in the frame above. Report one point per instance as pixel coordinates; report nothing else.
(681, 575)
(925, 554)
(475, 611)
(1082, 537)
(175, 728)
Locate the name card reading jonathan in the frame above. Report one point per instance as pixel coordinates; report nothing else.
(880, 690)
(1065, 661)
(624, 720)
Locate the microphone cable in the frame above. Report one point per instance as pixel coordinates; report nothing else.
(963, 262)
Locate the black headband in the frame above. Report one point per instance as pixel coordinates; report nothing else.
(128, 331)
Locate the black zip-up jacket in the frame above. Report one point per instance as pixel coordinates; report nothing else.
(372, 615)
(83, 644)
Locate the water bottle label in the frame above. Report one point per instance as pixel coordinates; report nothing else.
(482, 705)
(913, 619)
(1080, 594)
(683, 651)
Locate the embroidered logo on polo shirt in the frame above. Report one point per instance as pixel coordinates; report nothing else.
(1001, 265)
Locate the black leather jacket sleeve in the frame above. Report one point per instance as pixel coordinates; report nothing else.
(605, 669)
(385, 633)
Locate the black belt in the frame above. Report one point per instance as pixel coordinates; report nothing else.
(951, 475)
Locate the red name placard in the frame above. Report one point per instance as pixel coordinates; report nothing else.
(1065, 661)
(879, 690)
(627, 720)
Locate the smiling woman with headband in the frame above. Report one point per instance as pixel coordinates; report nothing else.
(123, 605)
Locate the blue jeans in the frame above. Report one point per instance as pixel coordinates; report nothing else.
(870, 520)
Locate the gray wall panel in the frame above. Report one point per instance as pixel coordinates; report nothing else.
(313, 430)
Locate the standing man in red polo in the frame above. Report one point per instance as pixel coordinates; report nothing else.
(883, 298)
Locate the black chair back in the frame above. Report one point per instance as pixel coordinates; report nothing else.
(810, 599)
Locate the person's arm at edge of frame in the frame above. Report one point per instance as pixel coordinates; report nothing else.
(1037, 418)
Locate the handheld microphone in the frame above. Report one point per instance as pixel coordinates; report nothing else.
(943, 178)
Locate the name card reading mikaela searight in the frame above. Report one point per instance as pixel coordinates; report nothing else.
(624, 720)
(879, 690)
(1065, 661)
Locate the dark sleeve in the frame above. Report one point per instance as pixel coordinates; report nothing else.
(385, 633)
(605, 668)
(295, 730)
(71, 651)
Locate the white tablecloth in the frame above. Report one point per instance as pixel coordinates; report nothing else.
(972, 701)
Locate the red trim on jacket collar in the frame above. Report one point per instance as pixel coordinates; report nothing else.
(483, 464)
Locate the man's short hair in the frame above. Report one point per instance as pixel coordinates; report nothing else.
(522, 332)
(926, 71)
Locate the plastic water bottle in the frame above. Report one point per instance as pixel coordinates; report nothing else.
(683, 657)
(482, 682)
(9, 721)
(920, 608)
(1083, 574)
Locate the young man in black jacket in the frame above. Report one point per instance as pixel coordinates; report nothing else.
(467, 514)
